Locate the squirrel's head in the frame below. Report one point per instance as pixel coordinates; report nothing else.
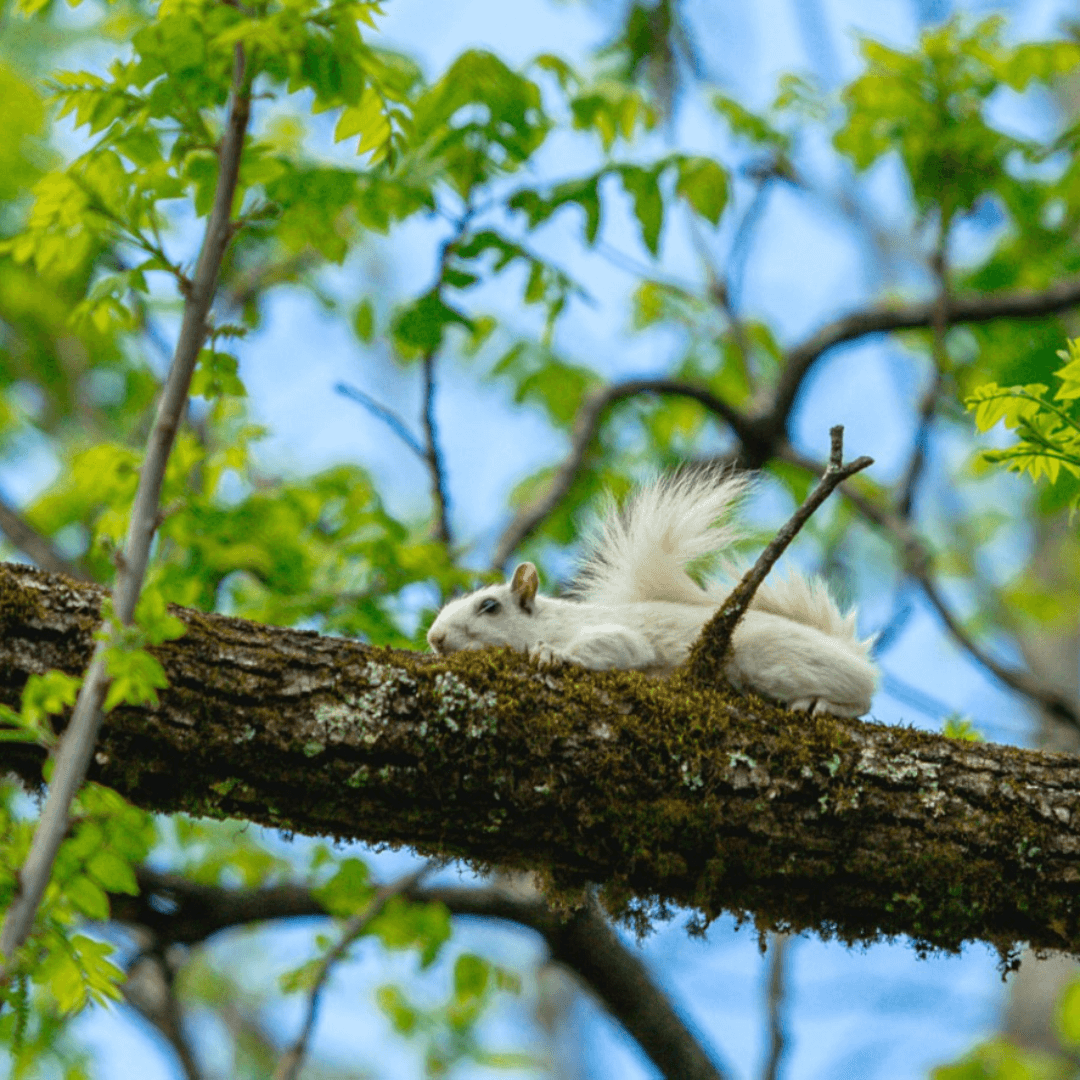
(494, 615)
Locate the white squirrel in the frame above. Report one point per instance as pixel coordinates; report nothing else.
(635, 606)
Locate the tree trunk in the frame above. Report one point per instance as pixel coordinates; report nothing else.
(662, 791)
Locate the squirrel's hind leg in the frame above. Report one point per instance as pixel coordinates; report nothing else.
(813, 706)
(800, 666)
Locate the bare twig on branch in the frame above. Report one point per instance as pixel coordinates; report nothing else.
(289, 1065)
(918, 563)
(710, 651)
(586, 425)
(774, 1004)
(718, 291)
(387, 416)
(928, 407)
(433, 455)
(40, 548)
(78, 743)
(583, 943)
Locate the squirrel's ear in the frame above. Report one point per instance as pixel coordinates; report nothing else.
(524, 584)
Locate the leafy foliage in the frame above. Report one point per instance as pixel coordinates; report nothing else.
(449, 1031)
(1047, 427)
(929, 105)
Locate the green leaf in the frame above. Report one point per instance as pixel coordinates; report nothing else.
(471, 975)
(749, 125)
(585, 193)
(1068, 1014)
(404, 925)
(112, 872)
(642, 185)
(400, 1013)
(956, 726)
(136, 677)
(703, 184)
(420, 327)
(348, 891)
(87, 897)
(301, 978)
(216, 376)
(364, 321)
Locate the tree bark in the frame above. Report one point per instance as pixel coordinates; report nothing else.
(664, 792)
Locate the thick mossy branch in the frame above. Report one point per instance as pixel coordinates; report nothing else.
(664, 791)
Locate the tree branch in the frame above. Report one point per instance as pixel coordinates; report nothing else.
(587, 423)
(774, 1002)
(662, 791)
(77, 745)
(583, 942)
(763, 436)
(931, 398)
(586, 945)
(150, 992)
(433, 457)
(709, 654)
(1021, 304)
(387, 416)
(29, 541)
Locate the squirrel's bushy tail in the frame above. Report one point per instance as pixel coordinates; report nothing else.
(639, 552)
(808, 601)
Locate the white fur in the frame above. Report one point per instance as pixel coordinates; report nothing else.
(638, 608)
(640, 552)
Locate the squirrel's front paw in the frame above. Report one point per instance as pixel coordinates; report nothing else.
(544, 655)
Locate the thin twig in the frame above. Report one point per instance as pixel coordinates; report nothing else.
(740, 246)
(77, 744)
(40, 548)
(774, 1001)
(710, 651)
(531, 517)
(288, 1067)
(928, 406)
(918, 565)
(246, 287)
(1021, 681)
(717, 289)
(387, 416)
(433, 456)
(159, 1005)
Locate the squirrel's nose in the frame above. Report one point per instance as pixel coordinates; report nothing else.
(437, 639)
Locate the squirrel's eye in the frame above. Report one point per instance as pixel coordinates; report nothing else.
(488, 606)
